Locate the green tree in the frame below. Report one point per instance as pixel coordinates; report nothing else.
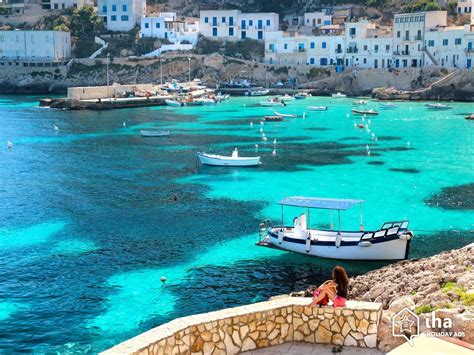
(85, 23)
(432, 6)
(451, 7)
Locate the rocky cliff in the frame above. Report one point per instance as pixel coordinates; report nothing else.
(443, 283)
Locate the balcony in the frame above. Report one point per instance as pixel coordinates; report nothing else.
(338, 50)
(418, 38)
(352, 50)
(469, 50)
(401, 53)
(406, 38)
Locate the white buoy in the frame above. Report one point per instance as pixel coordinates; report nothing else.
(274, 152)
(355, 124)
(363, 118)
(264, 138)
(261, 130)
(275, 141)
(365, 115)
(367, 147)
(369, 121)
(376, 139)
(251, 124)
(56, 128)
(9, 145)
(261, 122)
(124, 124)
(347, 115)
(368, 152)
(256, 146)
(304, 114)
(408, 144)
(263, 134)
(367, 126)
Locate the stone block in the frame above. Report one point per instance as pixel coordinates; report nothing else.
(371, 340)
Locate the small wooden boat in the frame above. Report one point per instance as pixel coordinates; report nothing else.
(317, 108)
(387, 105)
(271, 103)
(469, 117)
(390, 242)
(284, 114)
(275, 118)
(234, 160)
(338, 96)
(173, 103)
(438, 106)
(154, 133)
(365, 112)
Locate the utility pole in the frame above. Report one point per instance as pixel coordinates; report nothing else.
(189, 70)
(161, 72)
(107, 69)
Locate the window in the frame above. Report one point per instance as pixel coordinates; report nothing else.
(231, 21)
(114, 7)
(260, 35)
(387, 47)
(124, 17)
(398, 34)
(365, 47)
(56, 6)
(124, 8)
(214, 21)
(223, 19)
(243, 35)
(231, 31)
(268, 23)
(285, 45)
(431, 43)
(422, 18)
(147, 25)
(352, 31)
(327, 22)
(206, 19)
(323, 45)
(104, 8)
(417, 18)
(323, 61)
(250, 22)
(271, 47)
(445, 42)
(311, 45)
(311, 60)
(376, 48)
(243, 24)
(214, 32)
(157, 25)
(365, 60)
(260, 24)
(457, 41)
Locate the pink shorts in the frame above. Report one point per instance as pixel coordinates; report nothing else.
(339, 301)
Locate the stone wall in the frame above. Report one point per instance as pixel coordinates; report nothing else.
(260, 325)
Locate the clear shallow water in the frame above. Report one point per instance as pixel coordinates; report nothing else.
(89, 225)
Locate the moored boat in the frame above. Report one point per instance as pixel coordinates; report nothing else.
(365, 112)
(469, 117)
(317, 108)
(284, 114)
(154, 133)
(338, 96)
(438, 106)
(258, 92)
(359, 102)
(286, 98)
(272, 102)
(390, 242)
(387, 105)
(275, 118)
(173, 103)
(302, 95)
(234, 160)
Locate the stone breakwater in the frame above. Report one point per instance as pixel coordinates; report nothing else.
(443, 284)
(259, 325)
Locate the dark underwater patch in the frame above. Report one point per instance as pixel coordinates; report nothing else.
(236, 122)
(459, 197)
(376, 162)
(405, 170)
(426, 243)
(317, 129)
(389, 138)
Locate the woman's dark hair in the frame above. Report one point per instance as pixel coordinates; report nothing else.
(340, 278)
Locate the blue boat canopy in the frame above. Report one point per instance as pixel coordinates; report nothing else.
(321, 203)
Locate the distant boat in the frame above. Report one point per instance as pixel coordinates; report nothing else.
(387, 105)
(301, 95)
(287, 98)
(438, 106)
(154, 133)
(274, 102)
(221, 97)
(317, 108)
(365, 112)
(338, 96)
(284, 114)
(469, 117)
(259, 92)
(234, 160)
(173, 103)
(359, 102)
(275, 118)
(206, 101)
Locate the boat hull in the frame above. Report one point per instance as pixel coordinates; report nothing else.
(372, 113)
(318, 108)
(216, 160)
(389, 247)
(154, 133)
(270, 104)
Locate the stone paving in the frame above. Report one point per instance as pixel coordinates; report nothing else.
(294, 348)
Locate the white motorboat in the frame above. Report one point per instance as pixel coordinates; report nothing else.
(359, 102)
(222, 97)
(154, 133)
(387, 105)
(438, 106)
(365, 112)
(259, 92)
(206, 101)
(301, 95)
(284, 114)
(338, 96)
(286, 98)
(173, 103)
(234, 160)
(390, 242)
(317, 108)
(273, 102)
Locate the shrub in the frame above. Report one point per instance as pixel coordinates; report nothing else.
(144, 45)
(425, 308)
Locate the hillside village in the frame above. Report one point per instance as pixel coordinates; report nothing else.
(55, 35)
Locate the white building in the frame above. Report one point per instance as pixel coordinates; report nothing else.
(234, 25)
(464, 7)
(44, 46)
(317, 19)
(67, 4)
(12, 7)
(121, 15)
(166, 25)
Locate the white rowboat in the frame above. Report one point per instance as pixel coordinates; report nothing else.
(234, 160)
(269, 103)
(154, 133)
(438, 106)
(317, 108)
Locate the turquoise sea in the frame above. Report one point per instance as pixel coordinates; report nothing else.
(88, 224)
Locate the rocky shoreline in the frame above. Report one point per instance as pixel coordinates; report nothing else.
(443, 283)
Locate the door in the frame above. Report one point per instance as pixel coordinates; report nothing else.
(469, 63)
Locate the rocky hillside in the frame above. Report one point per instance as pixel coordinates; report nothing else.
(443, 283)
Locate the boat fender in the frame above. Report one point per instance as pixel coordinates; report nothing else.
(406, 236)
(365, 243)
(308, 243)
(280, 236)
(338, 240)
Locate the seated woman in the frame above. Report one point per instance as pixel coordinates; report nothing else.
(334, 290)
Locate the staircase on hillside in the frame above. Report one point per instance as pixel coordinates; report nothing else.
(432, 58)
